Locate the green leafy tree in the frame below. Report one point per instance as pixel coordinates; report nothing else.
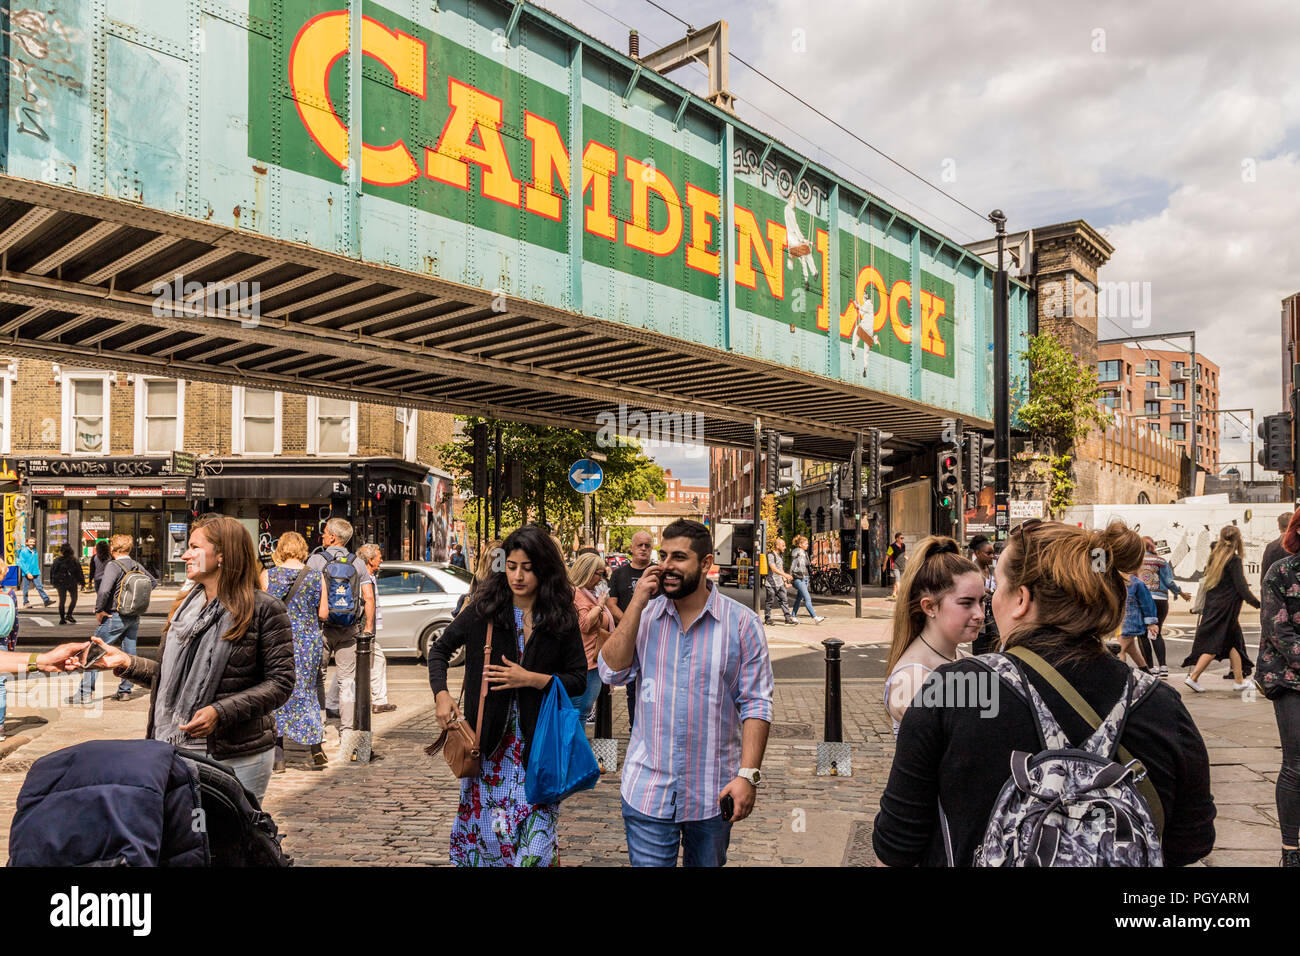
(788, 521)
(546, 454)
(1062, 407)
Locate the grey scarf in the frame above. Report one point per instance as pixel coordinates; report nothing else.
(194, 658)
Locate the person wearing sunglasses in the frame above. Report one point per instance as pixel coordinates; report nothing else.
(594, 620)
(1060, 594)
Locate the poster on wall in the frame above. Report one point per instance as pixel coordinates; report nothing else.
(438, 531)
(15, 532)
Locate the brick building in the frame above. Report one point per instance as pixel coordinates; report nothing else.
(99, 452)
(680, 494)
(1156, 386)
(731, 483)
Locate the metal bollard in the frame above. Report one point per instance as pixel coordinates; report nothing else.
(833, 757)
(357, 748)
(604, 745)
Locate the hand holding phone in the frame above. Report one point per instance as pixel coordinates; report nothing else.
(92, 653)
(728, 806)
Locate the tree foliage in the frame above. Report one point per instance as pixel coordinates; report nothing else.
(1063, 406)
(546, 454)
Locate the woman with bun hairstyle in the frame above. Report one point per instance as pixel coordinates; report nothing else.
(1279, 677)
(940, 605)
(1218, 635)
(1056, 598)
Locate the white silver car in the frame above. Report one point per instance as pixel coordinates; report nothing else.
(417, 599)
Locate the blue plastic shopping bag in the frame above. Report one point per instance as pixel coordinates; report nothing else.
(560, 761)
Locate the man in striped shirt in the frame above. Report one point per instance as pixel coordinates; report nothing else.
(705, 706)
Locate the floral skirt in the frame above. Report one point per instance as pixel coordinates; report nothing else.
(495, 824)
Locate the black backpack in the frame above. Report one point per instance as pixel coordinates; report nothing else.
(239, 832)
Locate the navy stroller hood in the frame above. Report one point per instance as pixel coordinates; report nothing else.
(109, 803)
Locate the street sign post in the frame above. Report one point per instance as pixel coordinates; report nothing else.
(586, 476)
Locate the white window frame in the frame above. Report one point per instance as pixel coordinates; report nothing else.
(313, 416)
(9, 374)
(66, 379)
(141, 425)
(237, 423)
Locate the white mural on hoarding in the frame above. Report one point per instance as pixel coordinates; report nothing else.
(1184, 534)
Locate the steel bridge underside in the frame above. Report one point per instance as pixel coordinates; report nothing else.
(77, 273)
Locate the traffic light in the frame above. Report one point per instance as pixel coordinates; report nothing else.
(876, 469)
(947, 479)
(776, 462)
(1276, 454)
(979, 462)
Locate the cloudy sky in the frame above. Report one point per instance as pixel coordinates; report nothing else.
(1173, 128)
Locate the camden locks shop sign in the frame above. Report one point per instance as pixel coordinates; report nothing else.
(177, 465)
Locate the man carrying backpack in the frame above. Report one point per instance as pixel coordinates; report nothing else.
(122, 597)
(351, 600)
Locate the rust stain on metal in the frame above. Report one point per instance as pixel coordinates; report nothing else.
(260, 170)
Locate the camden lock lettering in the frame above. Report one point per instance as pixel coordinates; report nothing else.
(672, 215)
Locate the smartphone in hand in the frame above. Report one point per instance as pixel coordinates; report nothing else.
(92, 653)
(728, 806)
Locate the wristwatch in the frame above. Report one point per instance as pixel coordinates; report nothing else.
(32, 666)
(751, 774)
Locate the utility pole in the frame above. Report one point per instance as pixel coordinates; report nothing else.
(1001, 387)
(857, 526)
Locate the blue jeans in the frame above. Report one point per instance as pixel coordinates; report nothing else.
(587, 701)
(801, 586)
(115, 630)
(652, 842)
(34, 582)
(4, 700)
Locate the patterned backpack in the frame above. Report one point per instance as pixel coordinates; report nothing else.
(1073, 806)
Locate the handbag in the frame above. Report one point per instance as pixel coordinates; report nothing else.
(560, 761)
(1198, 602)
(460, 746)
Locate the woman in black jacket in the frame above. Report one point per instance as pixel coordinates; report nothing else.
(953, 758)
(535, 639)
(1218, 635)
(100, 560)
(66, 575)
(226, 658)
(1279, 677)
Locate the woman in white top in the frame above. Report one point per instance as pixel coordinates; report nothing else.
(940, 605)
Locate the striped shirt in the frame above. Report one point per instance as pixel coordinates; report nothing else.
(695, 688)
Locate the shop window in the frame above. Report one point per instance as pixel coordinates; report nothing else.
(257, 415)
(331, 426)
(159, 415)
(85, 413)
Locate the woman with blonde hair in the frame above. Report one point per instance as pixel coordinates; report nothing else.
(1056, 604)
(595, 621)
(301, 590)
(940, 605)
(225, 661)
(1218, 635)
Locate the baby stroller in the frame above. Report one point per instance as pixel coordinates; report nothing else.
(138, 803)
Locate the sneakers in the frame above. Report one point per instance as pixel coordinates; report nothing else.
(1290, 857)
(818, 619)
(1244, 686)
(71, 619)
(1193, 685)
(1164, 672)
(122, 695)
(792, 620)
(48, 602)
(767, 622)
(382, 708)
(77, 700)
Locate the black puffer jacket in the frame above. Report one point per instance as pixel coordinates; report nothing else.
(259, 678)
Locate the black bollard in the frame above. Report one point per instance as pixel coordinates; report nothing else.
(604, 714)
(361, 713)
(834, 728)
(603, 743)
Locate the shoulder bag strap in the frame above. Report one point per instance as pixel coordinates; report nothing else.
(483, 688)
(1084, 710)
(297, 583)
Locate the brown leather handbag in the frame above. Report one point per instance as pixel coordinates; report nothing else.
(460, 747)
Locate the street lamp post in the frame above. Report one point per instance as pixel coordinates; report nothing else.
(1001, 386)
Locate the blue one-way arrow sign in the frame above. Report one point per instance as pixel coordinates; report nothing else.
(586, 476)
